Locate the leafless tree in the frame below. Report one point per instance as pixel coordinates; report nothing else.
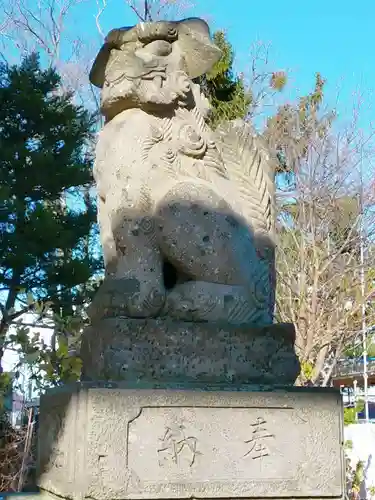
(266, 84)
(152, 10)
(51, 28)
(17, 453)
(319, 239)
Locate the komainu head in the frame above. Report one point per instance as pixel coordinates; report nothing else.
(151, 65)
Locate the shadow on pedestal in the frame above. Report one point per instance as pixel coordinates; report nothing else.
(165, 350)
(160, 441)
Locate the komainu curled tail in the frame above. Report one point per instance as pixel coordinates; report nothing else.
(250, 165)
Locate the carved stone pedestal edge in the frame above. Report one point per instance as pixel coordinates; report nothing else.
(116, 442)
(166, 350)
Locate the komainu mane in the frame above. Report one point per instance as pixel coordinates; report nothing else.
(186, 214)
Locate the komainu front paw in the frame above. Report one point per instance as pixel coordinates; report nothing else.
(203, 301)
(127, 297)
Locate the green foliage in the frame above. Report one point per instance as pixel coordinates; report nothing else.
(307, 370)
(54, 364)
(46, 223)
(348, 445)
(225, 91)
(278, 80)
(350, 413)
(5, 387)
(358, 477)
(354, 473)
(357, 350)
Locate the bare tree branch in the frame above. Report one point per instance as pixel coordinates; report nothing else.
(101, 5)
(318, 249)
(154, 10)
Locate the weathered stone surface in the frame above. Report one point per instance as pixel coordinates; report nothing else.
(186, 220)
(193, 39)
(119, 443)
(172, 190)
(161, 349)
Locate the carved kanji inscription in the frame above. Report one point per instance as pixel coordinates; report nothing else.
(176, 447)
(258, 441)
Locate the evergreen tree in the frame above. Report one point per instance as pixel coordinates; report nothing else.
(226, 92)
(45, 166)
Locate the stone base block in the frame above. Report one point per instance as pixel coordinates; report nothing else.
(165, 350)
(110, 442)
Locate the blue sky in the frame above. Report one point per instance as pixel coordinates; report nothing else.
(333, 37)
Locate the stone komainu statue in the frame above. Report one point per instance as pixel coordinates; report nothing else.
(186, 214)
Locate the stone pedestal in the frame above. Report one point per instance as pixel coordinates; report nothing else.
(166, 350)
(113, 442)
